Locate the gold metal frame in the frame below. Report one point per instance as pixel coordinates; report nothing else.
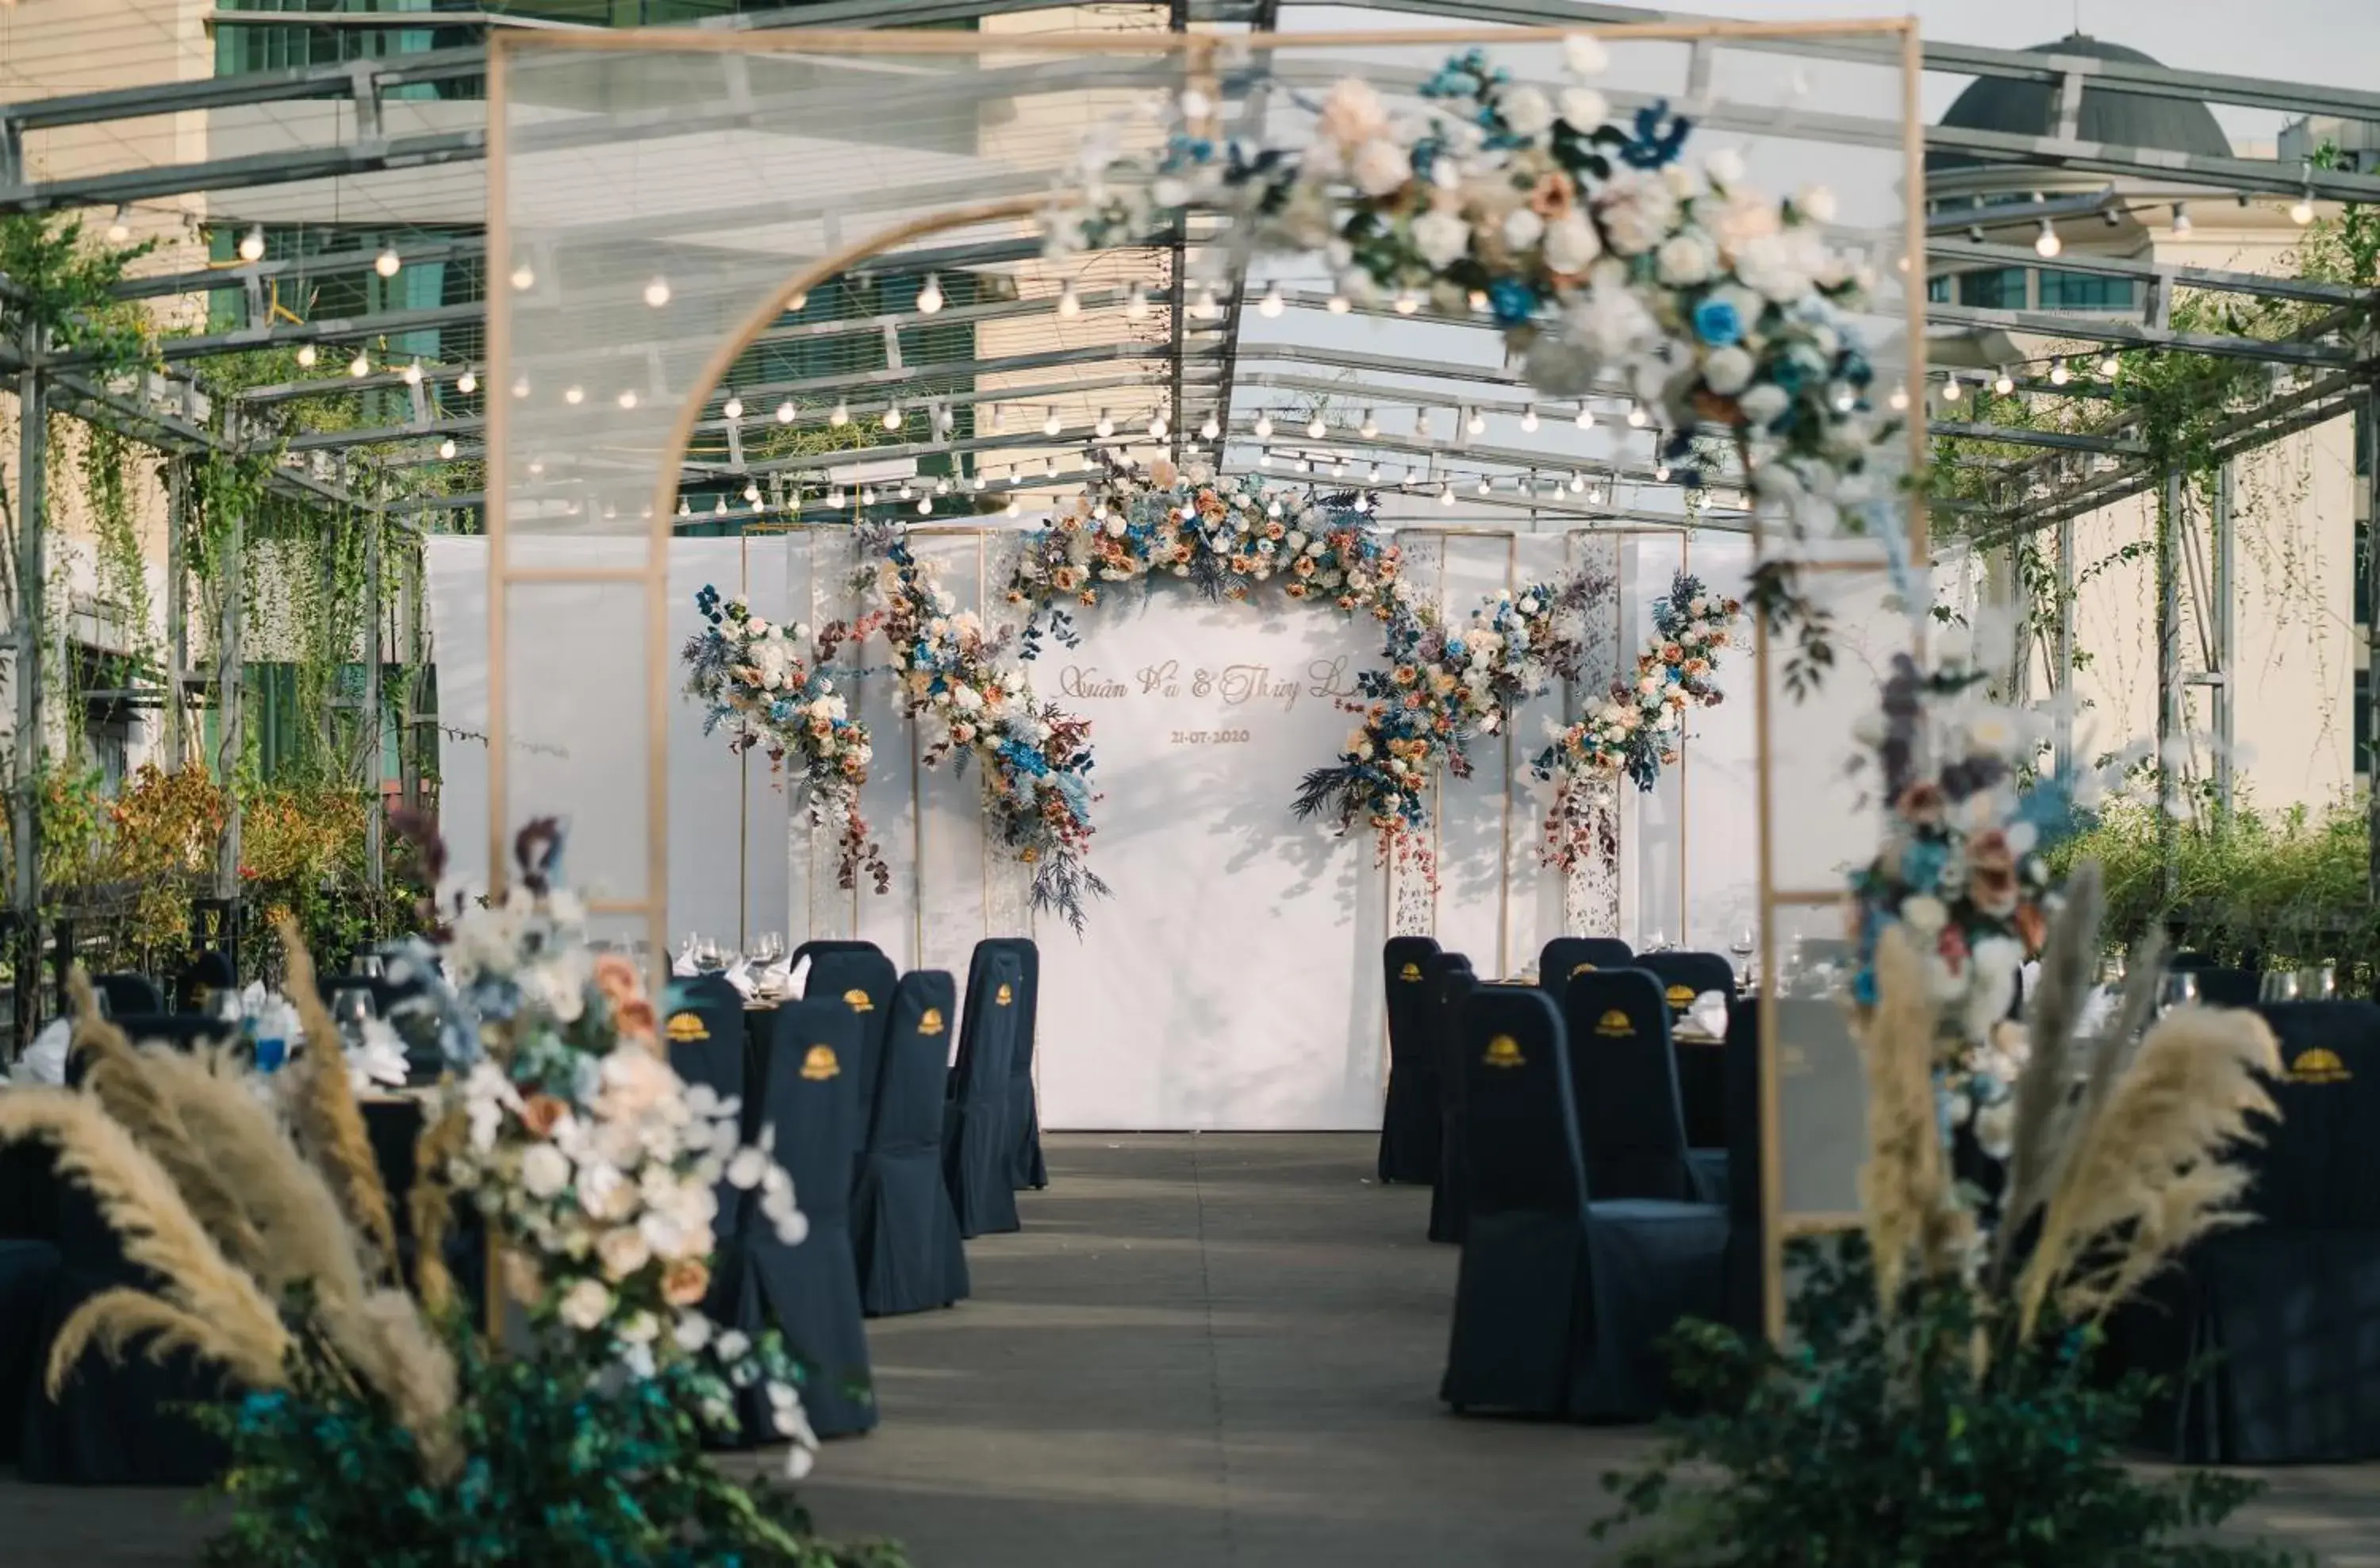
(1200, 50)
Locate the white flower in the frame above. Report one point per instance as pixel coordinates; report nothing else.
(1815, 202)
(1995, 1128)
(1571, 243)
(1610, 323)
(1725, 166)
(1526, 111)
(1584, 55)
(623, 1251)
(1684, 261)
(747, 1170)
(1351, 113)
(2022, 837)
(1522, 228)
(603, 1192)
(1780, 266)
(585, 1304)
(1584, 107)
(545, 1170)
(732, 1346)
(1762, 403)
(1380, 167)
(1925, 914)
(638, 1328)
(1441, 238)
(1637, 210)
(693, 1331)
(1999, 956)
(1991, 734)
(1728, 371)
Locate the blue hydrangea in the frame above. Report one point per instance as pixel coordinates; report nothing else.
(1513, 301)
(1718, 323)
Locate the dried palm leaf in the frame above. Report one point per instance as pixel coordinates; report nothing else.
(236, 1324)
(1905, 1182)
(329, 1126)
(2047, 1086)
(431, 1205)
(2146, 1175)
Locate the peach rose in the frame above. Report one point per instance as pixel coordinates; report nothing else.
(634, 1019)
(616, 977)
(687, 1281)
(541, 1112)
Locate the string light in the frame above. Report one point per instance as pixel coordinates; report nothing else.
(1370, 427)
(1528, 416)
(1052, 425)
(1585, 417)
(1272, 507)
(1408, 302)
(1156, 426)
(1207, 308)
(535, 468)
(1899, 398)
(524, 277)
(1475, 422)
(751, 490)
(2058, 373)
(683, 509)
(521, 386)
(892, 415)
(733, 409)
(924, 506)
(1105, 427)
(1951, 389)
(2004, 383)
(1636, 416)
(785, 412)
(252, 246)
(1210, 430)
(657, 293)
(306, 358)
(1482, 486)
(2182, 224)
(1272, 304)
(413, 372)
(628, 397)
(2046, 243)
(930, 298)
(1070, 303)
(1315, 428)
(1136, 304)
(1263, 427)
(1577, 481)
(2301, 209)
(574, 395)
(466, 384)
(387, 261)
(1445, 494)
(2109, 365)
(868, 495)
(1661, 471)
(1015, 508)
(1337, 304)
(361, 365)
(446, 447)
(834, 497)
(119, 228)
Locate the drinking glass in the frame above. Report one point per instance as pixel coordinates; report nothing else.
(2177, 987)
(2319, 983)
(1655, 941)
(706, 956)
(1742, 945)
(350, 1006)
(2279, 985)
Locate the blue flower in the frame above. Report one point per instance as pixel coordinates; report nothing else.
(1718, 323)
(1513, 300)
(1923, 863)
(1863, 988)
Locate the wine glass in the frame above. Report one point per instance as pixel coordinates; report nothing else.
(350, 1007)
(2279, 985)
(706, 956)
(1742, 945)
(2177, 987)
(1655, 941)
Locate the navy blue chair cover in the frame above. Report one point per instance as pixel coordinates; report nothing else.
(860, 978)
(1685, 975)
(811, 1292)
(1449, 981)
(904, 1232)
(1629, 1115)
(128, 993)
(1026, 1168)
(1747, 1311)
(1561, 1300)
(1412, 1123)
(212, 971)
(1566, 955)
(185, 1031)
(709, 1045)
(977, 1141)
(30, 1272)
(811, 950)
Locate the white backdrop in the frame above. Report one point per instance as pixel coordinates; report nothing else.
(1232, 981)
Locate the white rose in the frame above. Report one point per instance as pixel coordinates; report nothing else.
(1925, 914)
(1684, 261)
(1380, 166)
(1995, 1128)
(1584, 55)
(1817, 203)
(585, 1304)
(545, 1170)
(1571, 243)
(1762, 403)
(1441, 238)
(1522, 228)
(732, 1346)
(1584, 107)
(1526, 111)
(1725, 166)
(1728, 371)
(623, 1251)
(693, 1331)
(746, 1169)
(638, 1328)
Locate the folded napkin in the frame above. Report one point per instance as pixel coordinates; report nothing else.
(739, 974)
(797, 977)
(1709, 1013)
(683, 965)
(377, 1059)
(776, 978)
(44, 1061)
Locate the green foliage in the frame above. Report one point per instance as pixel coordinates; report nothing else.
(1875, 1445)
(564, 1470)
(61, 283)
(2284, 888)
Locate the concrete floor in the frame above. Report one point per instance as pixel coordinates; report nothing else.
(1200, 1351)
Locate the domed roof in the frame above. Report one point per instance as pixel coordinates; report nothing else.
(2117, 118)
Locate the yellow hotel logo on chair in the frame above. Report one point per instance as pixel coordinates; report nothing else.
(1504, 1051)
(685, 1028)
(1681, 996)
(858, 1001)
(1615, 1024)
(2318, 1065)
(1578, 969)
(820, 1065)
(1411, 972)
(931, 1023)
(1005, 995)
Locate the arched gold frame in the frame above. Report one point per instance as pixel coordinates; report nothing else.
(1201, 49)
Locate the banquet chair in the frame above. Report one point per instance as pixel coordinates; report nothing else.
(1026, 1168)
(126, 992)
(1448, 981)
(810, 1291)
(1746, 1292)
(209, 972)
(859, 978)
(1566, 955)
(1561, 1300)
(976, 1134)
(1629, 1111)
(1412, 1125)
(708, 1044)
(811, 950)
(1685, 975)
(183, 1031)
(905, 1233)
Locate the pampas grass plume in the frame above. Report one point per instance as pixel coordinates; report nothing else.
(1905, 1183)
(329, 1122)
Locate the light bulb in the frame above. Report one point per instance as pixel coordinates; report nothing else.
(2058, 373)
(751, 490)
(1052, 425)
(2302, 211)
(795, 301)
(1577, 481)
(1363, 503)
(924, 506)
(1482, 487)
(868, 495)
(1207, 308)
(524, 277)
(1445, 494)
(718, 507)
(1408, 302)
(1337, 304)
(446, 447)
(1951, 390)
(834, 497)
(1529, 417)
(842, 414)
(2182, 224)
(733, 409)
(1015, 508)
(628, 397)
(1106, 427)
(119, 228)
(1136, 304)
(1585, 417)
(251, 244)
(1475, 422)
(306, 356)
(2109, 365)
(1376, 473)
(785, 412)
(1661, 471)
(361, 365)
(521, 386)
(413, 372)
(2048, 243)
(1272, 304)
(683, 509)
(1370, 427)
(1069, 302)
(1158, 427)
(1210, 430)
(1049, 466)
(657, 293)
(930, 298)
(1637, 418)
(387, 261)
(574, 395)
(1264, 459)
(466, 384)
(942, 486)
(536, 466)
(1263, 427)
(1272, 508)
(906, 490)
(1899, 399)
(2004, 383)
(1315, 429)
